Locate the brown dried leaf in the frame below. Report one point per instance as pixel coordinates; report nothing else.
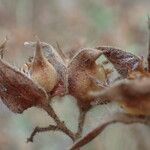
(121, 60)
(17, 91)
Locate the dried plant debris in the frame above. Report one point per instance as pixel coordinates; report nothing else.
(122, 61)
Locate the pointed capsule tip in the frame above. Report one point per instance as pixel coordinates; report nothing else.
(38, 45)
(38, 42)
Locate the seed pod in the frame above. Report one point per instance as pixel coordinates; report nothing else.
(42, 72)
(80, 70)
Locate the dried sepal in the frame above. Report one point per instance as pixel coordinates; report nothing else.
(17, 91)
(132, 95)
(80, 70)
(122, 61)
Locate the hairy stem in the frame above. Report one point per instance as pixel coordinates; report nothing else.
(60, 124)
(43, 129)
(51, 113)
(81, 120)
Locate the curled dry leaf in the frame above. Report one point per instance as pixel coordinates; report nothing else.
(121, 60)
(17, 91)
(80, 70)
(132, 95)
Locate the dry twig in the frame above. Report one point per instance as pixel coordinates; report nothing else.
(81, 120)
(60, 125)
(43, 129)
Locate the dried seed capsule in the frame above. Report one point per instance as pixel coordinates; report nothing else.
(55, 59)
(81, 72)
(42, 72)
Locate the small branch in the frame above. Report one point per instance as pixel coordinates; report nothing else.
(60, 124)
(39, 129)
(51, 113)
(81, 120)
(115, 118)
(148, 58)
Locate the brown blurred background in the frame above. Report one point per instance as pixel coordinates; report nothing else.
(73, 24)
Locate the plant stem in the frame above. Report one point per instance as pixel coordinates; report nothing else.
(115, 118)
(60, 124)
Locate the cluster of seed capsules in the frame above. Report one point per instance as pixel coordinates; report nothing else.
(49, 74)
